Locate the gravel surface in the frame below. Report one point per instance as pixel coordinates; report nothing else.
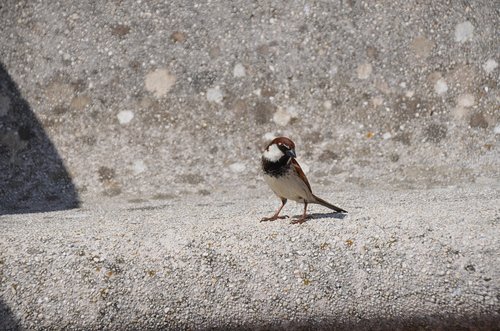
(399, 259)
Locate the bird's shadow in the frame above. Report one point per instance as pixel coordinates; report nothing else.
(318, 216)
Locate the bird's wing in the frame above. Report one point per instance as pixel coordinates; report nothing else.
(301, 174)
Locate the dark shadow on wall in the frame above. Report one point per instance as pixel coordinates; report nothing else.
(7, 320)
(32, 174)
(436, 322)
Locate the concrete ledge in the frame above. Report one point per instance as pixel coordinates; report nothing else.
(403, 259)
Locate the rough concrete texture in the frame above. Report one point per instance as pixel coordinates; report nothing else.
(399, 260)
(146, 101)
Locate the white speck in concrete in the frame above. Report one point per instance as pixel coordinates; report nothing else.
(496, 130)
(139, 167)
(490, 65)
(441, 87)
(237, 167)
(465, 100)
(159, 82)
(282, 117)
(377, 101)
(239, 70)
(214, 94)
(364, 70)
(387, 135)
(125, 116)
(327, 105)
(464, 32)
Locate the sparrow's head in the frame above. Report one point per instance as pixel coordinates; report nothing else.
(278, 148)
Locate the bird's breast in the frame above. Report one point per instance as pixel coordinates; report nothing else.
(289, 186)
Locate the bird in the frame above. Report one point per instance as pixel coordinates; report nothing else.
(286, 179)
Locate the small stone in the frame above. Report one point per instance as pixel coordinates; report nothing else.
(159, 82)
(138, 167)
(79, 102)
(440, 87)
(214, 94)
(496, 130)
(377, 101)
(282, 117)
(422, 46)
(120, 30)
(465, 100)
(490, 65)
(364, 70)
(327, 105)
(387, 135)
(237, 167)
(214, 52)
(239, 70)
(464, 32)
(125, 116)
(178, 37)
(478, 121)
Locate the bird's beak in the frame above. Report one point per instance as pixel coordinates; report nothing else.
(291, 153)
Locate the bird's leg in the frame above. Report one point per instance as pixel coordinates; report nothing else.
(276, 215)
(303, 218)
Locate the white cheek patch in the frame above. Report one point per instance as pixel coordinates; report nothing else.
(273, 153)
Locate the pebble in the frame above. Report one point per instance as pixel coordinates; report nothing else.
(214, 94)
(159, 82)
(496, 130)
(283, 116)
(237, 167)
(441, 87)
(465, 100)
(138, 167)
(364, 70)
(239, 70)
(125, 116)
(464, 32)
(490, 65)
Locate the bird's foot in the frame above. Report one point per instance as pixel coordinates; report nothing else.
(273, 218)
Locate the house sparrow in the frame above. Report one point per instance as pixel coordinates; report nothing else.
(287, 180)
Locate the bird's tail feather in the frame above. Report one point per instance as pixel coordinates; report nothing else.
(329, 205)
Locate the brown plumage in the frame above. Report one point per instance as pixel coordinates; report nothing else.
(286, 178)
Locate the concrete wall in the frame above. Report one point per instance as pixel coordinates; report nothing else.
(153, 99)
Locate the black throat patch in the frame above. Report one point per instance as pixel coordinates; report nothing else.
(278, 168)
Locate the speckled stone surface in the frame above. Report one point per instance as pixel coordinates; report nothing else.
(148, 101)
